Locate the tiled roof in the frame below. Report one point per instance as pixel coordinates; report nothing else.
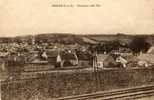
(83, 56)
(52, 53)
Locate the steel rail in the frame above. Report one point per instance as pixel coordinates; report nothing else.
(135, 92)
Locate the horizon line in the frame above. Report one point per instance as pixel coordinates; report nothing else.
(67, 33)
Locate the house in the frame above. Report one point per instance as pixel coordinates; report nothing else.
(31, 55)
(146, 59)
(106, 61)
(122, 60)
(101, 60)
(36, 57)
(84, 59)
(36, 63)
(131, 60)
(110, 61)
(65, 58)
(68, 59)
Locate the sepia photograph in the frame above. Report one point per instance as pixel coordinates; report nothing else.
(77, 50)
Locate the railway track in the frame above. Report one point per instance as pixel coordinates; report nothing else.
(122, 94)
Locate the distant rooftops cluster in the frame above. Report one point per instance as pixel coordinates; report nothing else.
(83, 51)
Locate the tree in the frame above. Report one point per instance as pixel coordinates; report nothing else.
(139, 44)
(108, 46)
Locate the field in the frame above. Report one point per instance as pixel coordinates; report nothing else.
(65, 83)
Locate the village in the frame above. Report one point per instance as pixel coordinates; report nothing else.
(54, 66)
(49, 55)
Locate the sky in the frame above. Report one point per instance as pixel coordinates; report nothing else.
(24, 17)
